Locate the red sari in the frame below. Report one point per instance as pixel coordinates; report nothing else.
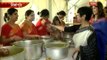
(30, 29)
(8, 31)
(42, 29)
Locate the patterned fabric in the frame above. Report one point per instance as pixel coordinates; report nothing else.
(90, 51)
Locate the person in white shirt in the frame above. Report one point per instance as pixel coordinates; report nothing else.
(85, 39)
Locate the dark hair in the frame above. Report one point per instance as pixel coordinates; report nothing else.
(61, 13)
(105, 8)
(100, 10)
(43, 13)
(10, 11)
(55, 19)
(28, 12)
(85, 11)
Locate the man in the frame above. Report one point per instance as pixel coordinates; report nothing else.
(85, 38)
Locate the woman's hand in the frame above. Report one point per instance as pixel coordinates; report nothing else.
(43, 21)
(15, 38)
(32, 37)
(61, 28)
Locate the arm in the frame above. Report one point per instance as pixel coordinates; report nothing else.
(29, 32)
(27, 36)
(73, 28)
(67, 29)
(61, 28)
(11, 39)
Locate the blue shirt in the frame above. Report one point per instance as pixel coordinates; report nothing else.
(100, 27)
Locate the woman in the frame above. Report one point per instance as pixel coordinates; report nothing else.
(43, 23)
(56, 33)
(61, 23)
(58, 20)
(100, 26)
(10, 31)
(28, 28)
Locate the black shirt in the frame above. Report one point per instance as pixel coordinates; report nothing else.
(71, 28)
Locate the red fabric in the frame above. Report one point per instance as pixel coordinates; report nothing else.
(42, 29)
(29, 29)
(34, 30)
(93, 3)
(7, 29)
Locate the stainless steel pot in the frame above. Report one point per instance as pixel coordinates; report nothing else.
(33, 49)
(68, 37)
(46, 39)
(14, 53)
(57, 50)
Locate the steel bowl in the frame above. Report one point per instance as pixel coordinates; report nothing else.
(57, 50)
(46, 39)
(68, 38)
(33, 48)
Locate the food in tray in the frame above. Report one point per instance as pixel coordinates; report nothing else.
(48, 58)
(4, 52)
(56, 45)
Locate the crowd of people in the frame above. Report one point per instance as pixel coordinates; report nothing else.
(97, 37)
(90, 38)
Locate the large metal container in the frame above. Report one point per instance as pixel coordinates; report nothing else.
(33, 49)
(57, 50)
(46, 39)
(13, 53)
(68, 38)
